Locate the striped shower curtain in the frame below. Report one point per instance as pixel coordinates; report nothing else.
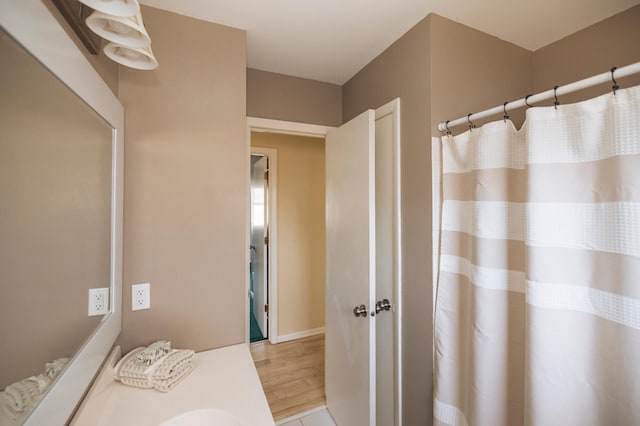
(537, 317)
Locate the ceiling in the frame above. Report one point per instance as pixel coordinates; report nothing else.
(331, 40)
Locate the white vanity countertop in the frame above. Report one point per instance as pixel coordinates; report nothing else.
(223, 378)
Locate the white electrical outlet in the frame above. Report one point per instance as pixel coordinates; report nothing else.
(98, 301)
(140, 296)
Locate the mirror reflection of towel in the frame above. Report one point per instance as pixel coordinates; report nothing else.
(20, 396)
(53, 368)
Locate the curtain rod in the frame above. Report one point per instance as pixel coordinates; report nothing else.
(608, 76)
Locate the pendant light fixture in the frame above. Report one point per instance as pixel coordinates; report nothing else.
(126, 31)
(120, 23)
(122, 8)
(134, 57)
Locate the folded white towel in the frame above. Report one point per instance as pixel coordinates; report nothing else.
(162, 375)
(153, 352)
(162, 385)
(175, 361)
(20, 396)
(53, 368)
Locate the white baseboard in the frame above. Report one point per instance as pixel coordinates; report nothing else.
(299, 334)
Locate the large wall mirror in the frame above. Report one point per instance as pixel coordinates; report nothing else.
(61, 158)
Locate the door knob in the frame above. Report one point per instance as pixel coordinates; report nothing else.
(360, 311)
(383, 305)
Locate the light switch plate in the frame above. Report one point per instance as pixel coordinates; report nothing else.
(140, 296)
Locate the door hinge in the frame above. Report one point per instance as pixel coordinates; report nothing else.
(266, 240)
(266, 175)
(266, 308)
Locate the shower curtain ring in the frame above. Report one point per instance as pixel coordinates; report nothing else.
(471, 125)
(615, 83)
(446, 125)
(555, 95)
(506, 114)
(526, 100)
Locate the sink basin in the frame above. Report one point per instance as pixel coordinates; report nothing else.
(204, 417)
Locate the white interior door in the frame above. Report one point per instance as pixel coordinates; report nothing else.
(350, 341)
(259, 229)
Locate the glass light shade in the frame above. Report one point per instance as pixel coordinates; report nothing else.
(122, 8)
(134, 57)
(125, 31)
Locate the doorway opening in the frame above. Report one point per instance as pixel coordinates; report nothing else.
(290, 363)
(259, 249)
(383, 341)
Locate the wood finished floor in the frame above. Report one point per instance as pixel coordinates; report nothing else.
(292, 374)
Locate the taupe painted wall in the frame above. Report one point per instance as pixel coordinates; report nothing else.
(516, 72)
(108, 70)
(612, 42)
(283, 97)
(403, 71)
(472, 71)
(186, 185)
(301, 230)
(55, 215)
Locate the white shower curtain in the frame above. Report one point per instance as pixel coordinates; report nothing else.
(537, 318)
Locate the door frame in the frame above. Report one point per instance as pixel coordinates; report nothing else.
(255, 124)
(393, 108)
(272, 212)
